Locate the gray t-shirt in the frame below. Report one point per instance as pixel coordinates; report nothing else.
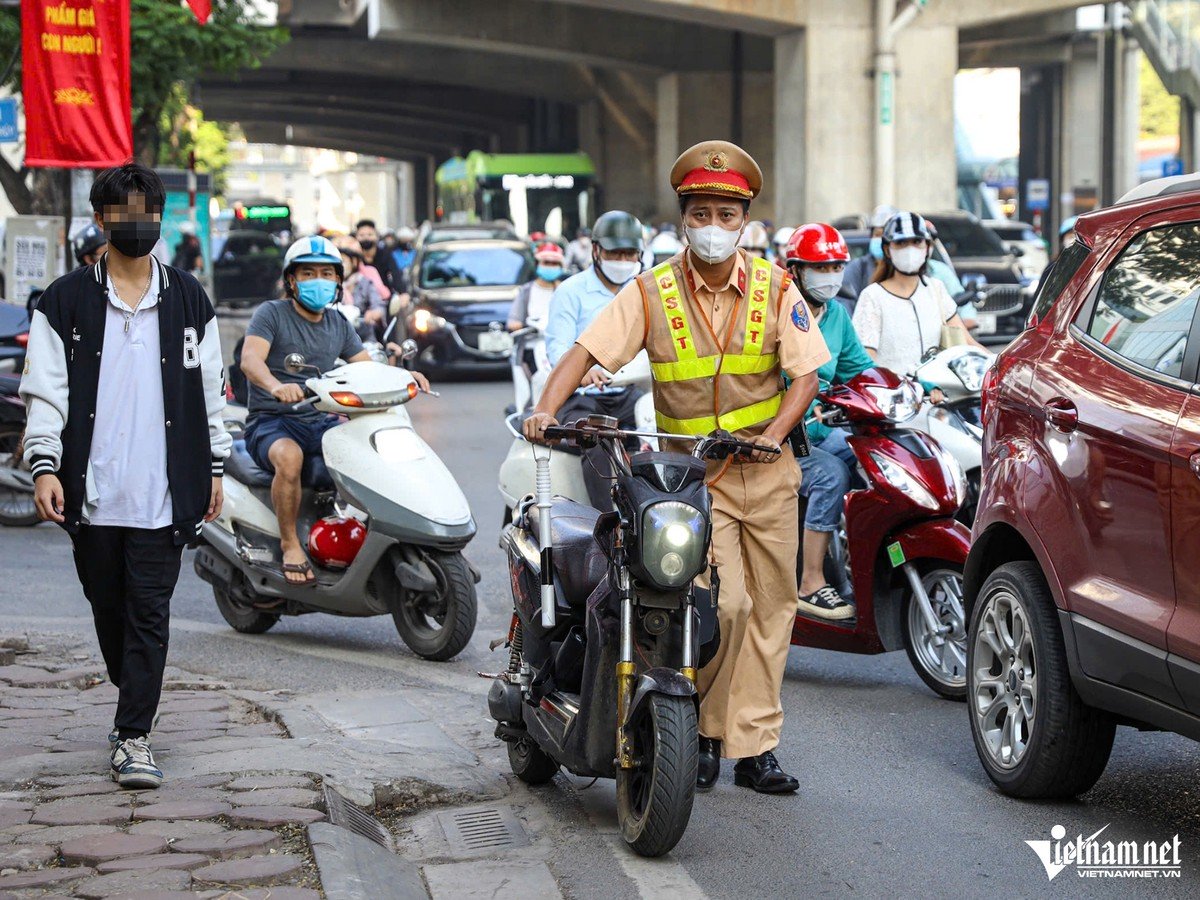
(320, 343)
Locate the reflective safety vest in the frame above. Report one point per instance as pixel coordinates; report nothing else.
(704, 381)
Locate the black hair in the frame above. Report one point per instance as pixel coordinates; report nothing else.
(683, 199)
(365, 223)
(114, 186)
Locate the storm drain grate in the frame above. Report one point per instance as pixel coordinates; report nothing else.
(483, 828)
(346, 815)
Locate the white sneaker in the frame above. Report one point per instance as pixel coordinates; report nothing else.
(133, 765)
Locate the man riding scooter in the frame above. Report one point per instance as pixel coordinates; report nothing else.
(816, 256)
(280, 436)
(617, 246)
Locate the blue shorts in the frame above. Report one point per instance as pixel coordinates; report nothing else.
(263, 430)
(826, 479)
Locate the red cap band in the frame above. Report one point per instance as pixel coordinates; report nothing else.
(706, 181)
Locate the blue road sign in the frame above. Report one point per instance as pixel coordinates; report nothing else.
(1172, 166)
(1037, 194)
(8, 120)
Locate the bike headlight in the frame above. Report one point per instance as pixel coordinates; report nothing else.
(423, 321)
(970, 369)
(673, 543)
(897, 404)
(897, 477)
(398, 445)
(957, 477)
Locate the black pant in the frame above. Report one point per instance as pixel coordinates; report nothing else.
(597, 467)
(128, 575)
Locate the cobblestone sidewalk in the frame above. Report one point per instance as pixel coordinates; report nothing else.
(228, 821)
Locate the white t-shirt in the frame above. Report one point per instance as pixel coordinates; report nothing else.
(127, 467)
(901, 329)
(538, 312)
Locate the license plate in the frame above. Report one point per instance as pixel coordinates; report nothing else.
(987, 324)
(495, 342)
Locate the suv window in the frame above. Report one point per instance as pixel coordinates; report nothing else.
(1057, 278)
(1148, 299)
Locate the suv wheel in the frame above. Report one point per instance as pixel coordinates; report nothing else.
(1034, 735)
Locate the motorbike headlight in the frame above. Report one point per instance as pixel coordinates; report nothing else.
(958, 478)
(895, 475)
(423, 322)
(673, 543)
(970, 369)
(898, 404)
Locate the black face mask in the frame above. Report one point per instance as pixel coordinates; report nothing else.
(134, 238)
(367, 244)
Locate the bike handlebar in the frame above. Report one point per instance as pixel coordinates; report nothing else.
(718, 445)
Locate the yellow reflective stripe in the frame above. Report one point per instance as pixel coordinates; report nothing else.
(673, 309)
(756, 311)
(734, 420)
(706, 367)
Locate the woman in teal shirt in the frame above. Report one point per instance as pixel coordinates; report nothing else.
(816, 258)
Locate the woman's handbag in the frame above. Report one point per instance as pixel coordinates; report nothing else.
(953, 336)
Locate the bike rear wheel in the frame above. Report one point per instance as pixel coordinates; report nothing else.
(17, 508)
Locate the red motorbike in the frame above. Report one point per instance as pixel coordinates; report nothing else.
(900, 553)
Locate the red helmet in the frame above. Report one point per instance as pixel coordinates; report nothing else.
(333, 541)
(816, 243)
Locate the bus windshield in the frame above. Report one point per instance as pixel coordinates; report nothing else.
(477, 267)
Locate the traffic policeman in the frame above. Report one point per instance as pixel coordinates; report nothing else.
(721, 329)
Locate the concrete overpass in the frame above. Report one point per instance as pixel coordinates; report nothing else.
(829, 95)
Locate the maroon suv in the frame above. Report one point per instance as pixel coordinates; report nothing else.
(1083, 594)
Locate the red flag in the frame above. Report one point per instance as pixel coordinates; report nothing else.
(75, 83)
(202, 9)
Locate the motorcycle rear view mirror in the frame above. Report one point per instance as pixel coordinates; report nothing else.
(296, 364)
(408, 351)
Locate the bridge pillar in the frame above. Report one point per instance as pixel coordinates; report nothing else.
(824, 120)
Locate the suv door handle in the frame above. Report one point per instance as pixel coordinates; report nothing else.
(1062, 415)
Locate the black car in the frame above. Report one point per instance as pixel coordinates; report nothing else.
(247, 271)
(462, 291)
(14, 337)
(975, 250)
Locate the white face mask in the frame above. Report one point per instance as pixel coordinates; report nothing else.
(620, 271)
(712, 243)
(908, 260)
(821, 287)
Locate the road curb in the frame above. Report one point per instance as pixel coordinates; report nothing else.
(352, 867)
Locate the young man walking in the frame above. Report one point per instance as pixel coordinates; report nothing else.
(124, 388)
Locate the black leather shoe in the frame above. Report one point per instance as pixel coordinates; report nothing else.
(709, 764)
(763, 773)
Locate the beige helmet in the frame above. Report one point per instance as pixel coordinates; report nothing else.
(755, 237)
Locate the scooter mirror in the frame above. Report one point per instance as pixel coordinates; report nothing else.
(408, 351)
(294, 363)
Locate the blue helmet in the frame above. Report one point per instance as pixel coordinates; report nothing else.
(1068, 224)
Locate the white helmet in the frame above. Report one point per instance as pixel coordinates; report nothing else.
(782, 236)
(665, 245)
(314, 249)
(406, 234)
(755, 237)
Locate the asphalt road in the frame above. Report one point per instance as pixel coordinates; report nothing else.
(892, 802)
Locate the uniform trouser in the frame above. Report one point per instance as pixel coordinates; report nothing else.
(128, 576)
(597, 467)
(755, 542)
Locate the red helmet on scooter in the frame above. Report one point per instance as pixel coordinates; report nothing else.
(334, 541)
(816, 244)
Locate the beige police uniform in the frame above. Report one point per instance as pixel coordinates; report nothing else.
(718, 353)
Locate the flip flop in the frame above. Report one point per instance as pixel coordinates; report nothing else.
(304, 568)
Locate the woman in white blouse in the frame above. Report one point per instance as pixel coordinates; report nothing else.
(899, 316)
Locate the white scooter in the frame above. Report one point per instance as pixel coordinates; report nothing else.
(518, 471)
(955, 423)
(400, 519)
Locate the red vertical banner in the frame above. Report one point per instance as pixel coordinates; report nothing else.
(75, 81)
